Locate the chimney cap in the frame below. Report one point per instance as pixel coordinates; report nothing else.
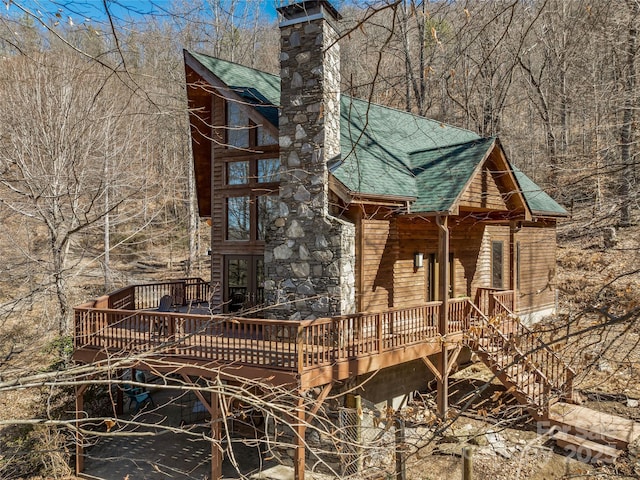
(307, 10)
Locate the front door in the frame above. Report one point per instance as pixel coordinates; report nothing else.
(244, 281)
(432, 280)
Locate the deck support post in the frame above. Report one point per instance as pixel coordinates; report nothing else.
(79, 438)
(119, 394)
(216, 444)
(299, 430)
(443, 320)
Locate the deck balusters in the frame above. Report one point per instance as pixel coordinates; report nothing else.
(278, 344)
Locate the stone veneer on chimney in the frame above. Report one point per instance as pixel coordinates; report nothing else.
(309, 255)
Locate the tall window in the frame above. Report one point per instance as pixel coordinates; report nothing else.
(238, 124)
(238, 172)
(432, 280)
(238, 218)
(242, 132)
(497, 264)
(268, 170)
(517, 265)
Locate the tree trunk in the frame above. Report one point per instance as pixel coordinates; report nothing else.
(626, 131)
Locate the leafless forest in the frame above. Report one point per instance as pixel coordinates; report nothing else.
(95, 174)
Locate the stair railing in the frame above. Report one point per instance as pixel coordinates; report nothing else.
(511, 358)
(560, 374)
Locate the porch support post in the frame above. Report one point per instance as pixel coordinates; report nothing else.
(216, 444)
(443, 320)
(299, 428)
(79, 438)
(513, 262)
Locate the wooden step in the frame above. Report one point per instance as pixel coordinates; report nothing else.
(522, 376)
(586, 450)
(594, 425)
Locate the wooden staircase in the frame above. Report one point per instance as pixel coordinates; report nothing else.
(590, 435)
(539, 379)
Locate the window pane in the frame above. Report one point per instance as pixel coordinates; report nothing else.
(238, 121)
(237, 173)
(238, 218)
(518, 265)
(496, 264)
(265, 138)
(267, 206)
(269, 170)
(237, 273)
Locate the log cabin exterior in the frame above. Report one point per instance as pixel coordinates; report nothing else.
(387, 179)
(347, 238)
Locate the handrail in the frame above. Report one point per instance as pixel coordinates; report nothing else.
(486, 298)
(360, 314)
(147, 295)
(557, 374)
(544, 344)
(539, 399)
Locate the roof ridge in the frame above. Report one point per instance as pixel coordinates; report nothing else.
(381, 105)
(453, 145)
(415, 115)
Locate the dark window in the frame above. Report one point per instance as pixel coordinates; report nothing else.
(432, 273)
(237, 282)
(244, 281)
(517, 265)
(496, 264)
(267, 205)
(265, 137)
(432, 276)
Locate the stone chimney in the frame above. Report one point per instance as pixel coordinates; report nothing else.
(309, 255)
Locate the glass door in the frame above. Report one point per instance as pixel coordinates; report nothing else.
(244, 282)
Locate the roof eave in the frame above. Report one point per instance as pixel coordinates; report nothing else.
(226, 92)
(540, 213)
(353, 197)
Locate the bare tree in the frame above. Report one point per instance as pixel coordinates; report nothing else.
(628, 146)
(57, 136)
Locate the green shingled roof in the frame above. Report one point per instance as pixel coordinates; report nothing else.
(539, 202)
(389, 152)
(385, 151)
(241, 77)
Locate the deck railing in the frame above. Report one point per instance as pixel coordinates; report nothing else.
(494, 301)
(200, 337)
(148, 295)
(132, 327)
(328, 339)
(559, 375)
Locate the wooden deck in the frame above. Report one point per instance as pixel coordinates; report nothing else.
(307, 353)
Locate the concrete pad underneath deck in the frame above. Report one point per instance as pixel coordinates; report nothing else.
(282, 472)
(153, 452)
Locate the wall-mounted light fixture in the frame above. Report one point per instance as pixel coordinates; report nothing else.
(418, 260)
